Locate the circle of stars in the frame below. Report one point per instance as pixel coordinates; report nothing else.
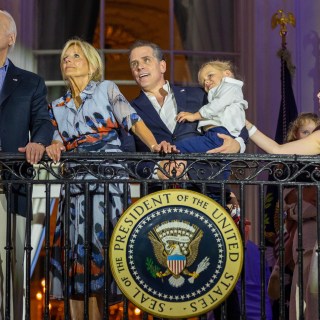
(173, 297)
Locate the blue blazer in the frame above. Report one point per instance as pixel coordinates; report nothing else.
(188, 99)
(23, 110)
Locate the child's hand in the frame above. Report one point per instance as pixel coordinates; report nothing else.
(187, 116)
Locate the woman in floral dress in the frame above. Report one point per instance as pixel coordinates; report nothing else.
(87, 119)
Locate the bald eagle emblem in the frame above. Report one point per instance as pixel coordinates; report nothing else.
(175, 245)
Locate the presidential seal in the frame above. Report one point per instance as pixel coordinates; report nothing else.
(176, 253)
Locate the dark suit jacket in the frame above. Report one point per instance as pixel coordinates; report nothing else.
(23, 110)
(188, 99)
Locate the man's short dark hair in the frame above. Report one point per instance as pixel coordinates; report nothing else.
(157, 51)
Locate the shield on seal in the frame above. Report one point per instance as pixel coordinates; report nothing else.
(176, 263)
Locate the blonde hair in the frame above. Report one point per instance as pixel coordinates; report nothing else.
(221, 65)
(301, 120)
(90, 53)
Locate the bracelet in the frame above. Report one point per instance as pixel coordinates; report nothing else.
(252, 131)
(151, 148)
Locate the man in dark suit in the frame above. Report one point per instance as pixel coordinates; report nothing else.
(25, 127)
(159, 103)
(157, 98)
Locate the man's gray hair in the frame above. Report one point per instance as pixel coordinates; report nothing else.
(12, 28)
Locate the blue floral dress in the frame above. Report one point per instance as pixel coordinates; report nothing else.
(93, 127)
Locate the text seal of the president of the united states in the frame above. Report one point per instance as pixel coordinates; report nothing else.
(176, 253)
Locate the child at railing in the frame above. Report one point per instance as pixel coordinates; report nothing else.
(304, 124)
(225, 112)
(302, 127)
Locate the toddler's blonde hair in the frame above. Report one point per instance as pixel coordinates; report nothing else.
(221, 65)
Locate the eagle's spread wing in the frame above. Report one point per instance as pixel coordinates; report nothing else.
(292, 19)
(193, 248)
(280, 18)
(158, 250)
(274, 20)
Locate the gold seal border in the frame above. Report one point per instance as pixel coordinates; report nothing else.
(161, 308)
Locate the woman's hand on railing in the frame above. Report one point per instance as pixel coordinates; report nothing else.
(54, 151)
